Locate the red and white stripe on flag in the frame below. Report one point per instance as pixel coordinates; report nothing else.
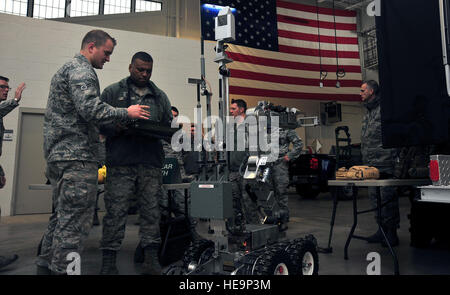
(294, 71)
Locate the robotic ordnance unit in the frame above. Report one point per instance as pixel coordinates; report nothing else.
(253, 249)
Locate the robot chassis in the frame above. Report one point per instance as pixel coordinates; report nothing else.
(253, 249)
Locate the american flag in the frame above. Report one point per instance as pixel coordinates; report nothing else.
(285, 50)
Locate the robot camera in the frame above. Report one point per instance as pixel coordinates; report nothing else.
(224, 25)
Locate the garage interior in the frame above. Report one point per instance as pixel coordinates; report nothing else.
(170, 30)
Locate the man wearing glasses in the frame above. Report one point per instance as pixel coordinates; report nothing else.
(7, 106)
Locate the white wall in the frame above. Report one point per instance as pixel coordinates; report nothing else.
(33, 50)
(178, 18)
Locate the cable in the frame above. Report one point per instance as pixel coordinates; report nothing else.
(322, 73)
(340, 73)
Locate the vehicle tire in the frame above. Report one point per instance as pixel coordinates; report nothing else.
(174, 270)
(273, 261)
(303, 254)
(307, 191)
(198, 252)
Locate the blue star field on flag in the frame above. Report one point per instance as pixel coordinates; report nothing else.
(256, 22)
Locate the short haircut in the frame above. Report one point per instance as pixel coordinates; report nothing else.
(175, 109)
(4, 78)
(372, 84)
(144, 56)
(240, 103)
(99, 38)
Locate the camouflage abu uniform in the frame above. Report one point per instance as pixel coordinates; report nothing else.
(243, 205)
(280, 171)
(177, 201)
(134, 165)
(5, 107)
(70, 140)
(376, 156)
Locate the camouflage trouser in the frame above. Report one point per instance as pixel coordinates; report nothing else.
(74, 190)
(175, 204)
(280, 183)
(390, 215)
(121, 184)
(242, 203)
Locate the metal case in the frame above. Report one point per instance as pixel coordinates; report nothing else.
(211, 200)
(444, 169)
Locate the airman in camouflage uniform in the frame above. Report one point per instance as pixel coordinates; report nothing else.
(280, 171)
(134, 164)
(375, 155)
(7, 106)
(245, 209)
(70, 137)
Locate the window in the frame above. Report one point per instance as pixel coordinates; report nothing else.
(370, 49)
(83, 7)
(143, 5)
(57, 8)
(117, 6)
(48, 8)
(17, 7)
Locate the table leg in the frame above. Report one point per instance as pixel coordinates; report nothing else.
(329, 249)
(355, 222)
(394, 256)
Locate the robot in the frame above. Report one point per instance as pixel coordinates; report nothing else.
(257, 249)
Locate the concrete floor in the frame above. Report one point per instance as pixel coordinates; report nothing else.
(21, 235)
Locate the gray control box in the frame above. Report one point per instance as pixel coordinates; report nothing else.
(211, 200)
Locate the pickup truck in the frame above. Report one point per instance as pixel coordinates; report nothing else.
(309, 173)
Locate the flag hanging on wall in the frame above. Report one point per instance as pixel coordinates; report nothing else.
(285, 50)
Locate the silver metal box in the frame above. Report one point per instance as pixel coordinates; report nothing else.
(262, 234)
(435, 194)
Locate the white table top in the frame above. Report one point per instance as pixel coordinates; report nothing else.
(380, 182)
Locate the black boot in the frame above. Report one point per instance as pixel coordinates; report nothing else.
(109, 263)
(43, 270)
(283, 226)
(42, 265)
(151, 264)
(96, 221)
(193, 225)
(284, 219)
(375, 238)
(7, 260)
(391, 235)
